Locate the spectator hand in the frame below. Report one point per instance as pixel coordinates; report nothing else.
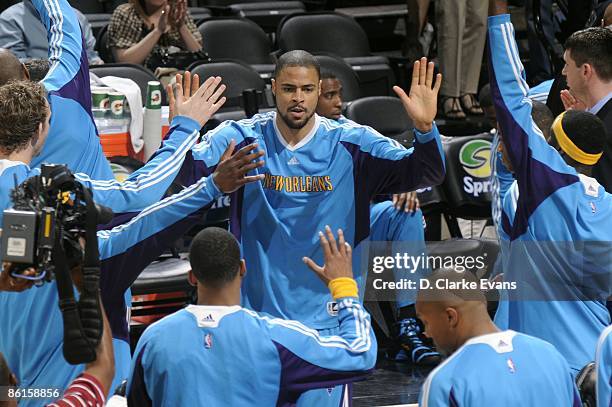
(421, 103)
(231, 171)
(203, 103)
(10, 283)
(189, 86)
(570, 102)
(407, 201)
(160, 19)
(338, 257)
(178, 14)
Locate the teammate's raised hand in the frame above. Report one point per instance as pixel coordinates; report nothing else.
(422, 102)
(338, 257)
(203, 103)
(189, 86)
(231, 172)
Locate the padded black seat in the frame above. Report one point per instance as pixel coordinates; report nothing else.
(385, 114)
(488, 249)
(341, 35)
(236, 75)
(102, 46)
(267, 14)
(238, 39)
(98, 22)
(344, 72)
(199, 13)
(162, 276)
(467, 186)
(88, 6)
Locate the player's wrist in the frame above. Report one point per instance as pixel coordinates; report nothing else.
(343, 287)
(423, 127)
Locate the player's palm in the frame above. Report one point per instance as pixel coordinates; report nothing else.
(421, 103)
(204, 103)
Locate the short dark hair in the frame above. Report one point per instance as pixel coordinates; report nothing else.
(542, 117)
(38, 68)
(297, 57)
(586, 130)
(592, 46)
(214, 257)
(327, 74)
(22, 109)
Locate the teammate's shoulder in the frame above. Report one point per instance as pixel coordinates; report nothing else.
(536, 344)
(258, 120)
(167, 326)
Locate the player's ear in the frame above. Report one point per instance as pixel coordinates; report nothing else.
(320, 87)
(587, 70)
(192, 279)
(452, 317)
(243, 270)
(273, 87)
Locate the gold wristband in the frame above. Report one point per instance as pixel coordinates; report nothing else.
(343, 287)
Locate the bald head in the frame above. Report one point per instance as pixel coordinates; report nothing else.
(453, 309)
(10, 67)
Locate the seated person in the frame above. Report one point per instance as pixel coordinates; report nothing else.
(22, 32)
(391, 220)
(188, 358)
(142, 26)
(486, 366)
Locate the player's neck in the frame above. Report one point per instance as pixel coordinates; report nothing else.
(226, 296)
(25, 156)
(478, 328)
(294, 136)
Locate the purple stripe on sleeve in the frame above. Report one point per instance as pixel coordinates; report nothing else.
(119, 272)
(298, 376)
(536, 180)
(78, 88)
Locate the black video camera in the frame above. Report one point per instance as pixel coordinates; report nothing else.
(51, 213)
(47, 207)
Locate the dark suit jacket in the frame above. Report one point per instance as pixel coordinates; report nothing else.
(603, 170)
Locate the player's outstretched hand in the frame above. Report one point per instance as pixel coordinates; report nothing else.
(10, 283)
(202, 104)
(231, 172)
(422, 102)
(338, 257)
(189, 85)
(570, 102)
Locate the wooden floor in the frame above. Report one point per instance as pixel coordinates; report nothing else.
(391, 384)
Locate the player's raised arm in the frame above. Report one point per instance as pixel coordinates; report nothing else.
(538, 167)
(341, 358)
(191, 109)
(128, 248)
(389, 168)
(69, 71)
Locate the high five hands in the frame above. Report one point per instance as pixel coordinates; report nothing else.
(421, 103)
